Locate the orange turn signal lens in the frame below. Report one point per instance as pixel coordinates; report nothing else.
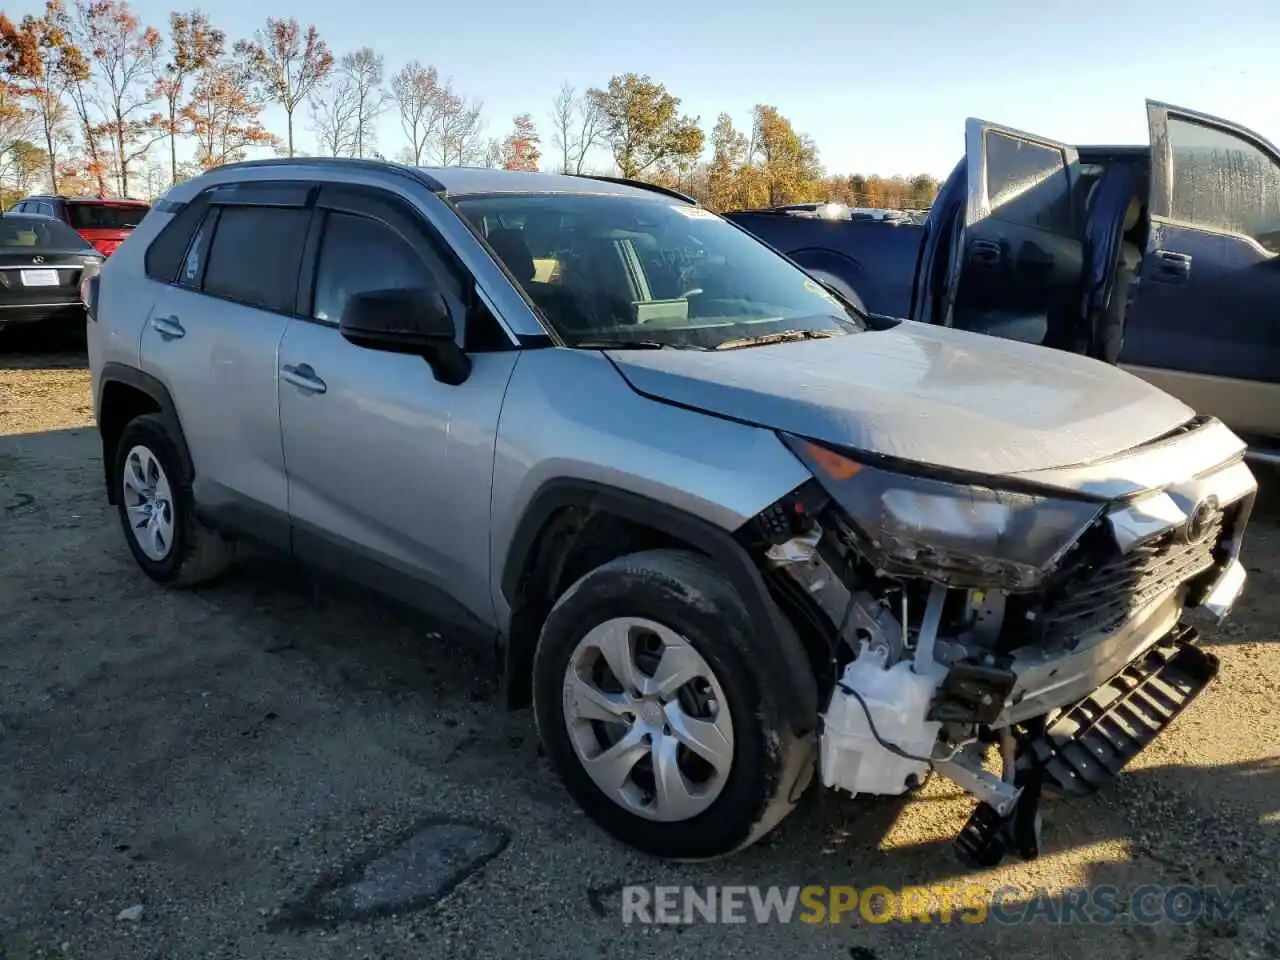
(831, 463)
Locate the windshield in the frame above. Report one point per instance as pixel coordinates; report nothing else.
(46, 233)
(620, 271)
(105, 216)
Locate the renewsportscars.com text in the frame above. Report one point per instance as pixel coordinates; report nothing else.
(1104, 904)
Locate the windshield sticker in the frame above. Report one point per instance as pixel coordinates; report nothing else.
(693, 213)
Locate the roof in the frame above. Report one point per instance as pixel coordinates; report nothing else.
(461, 181)
(78, 199)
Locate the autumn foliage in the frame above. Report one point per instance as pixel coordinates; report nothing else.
(93, 99)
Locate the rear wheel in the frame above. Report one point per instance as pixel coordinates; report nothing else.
(157, 510)
(650, 709)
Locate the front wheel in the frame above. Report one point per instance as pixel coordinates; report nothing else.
(650, 709)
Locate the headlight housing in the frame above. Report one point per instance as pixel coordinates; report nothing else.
(962, 535)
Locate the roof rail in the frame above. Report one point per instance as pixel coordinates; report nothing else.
(363, 163)
(639, 185)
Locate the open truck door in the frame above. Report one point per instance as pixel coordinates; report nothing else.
(1007, 259)
(1202, 320)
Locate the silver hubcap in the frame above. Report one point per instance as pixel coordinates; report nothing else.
(648, 719)
(148, 502)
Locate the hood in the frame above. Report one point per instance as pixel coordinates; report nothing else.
(927, 394)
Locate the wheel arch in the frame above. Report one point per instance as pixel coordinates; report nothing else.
(843, 272)
(572, 525)
(125, 393)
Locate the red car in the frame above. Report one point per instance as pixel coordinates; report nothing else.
(101, 221)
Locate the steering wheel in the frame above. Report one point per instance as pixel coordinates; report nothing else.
(696, 291)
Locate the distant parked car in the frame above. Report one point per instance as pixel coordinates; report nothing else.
(42, 262)
(102, 221)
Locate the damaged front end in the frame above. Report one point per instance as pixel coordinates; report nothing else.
(1056, 623)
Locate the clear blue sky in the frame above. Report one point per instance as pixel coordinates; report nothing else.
(881, 87)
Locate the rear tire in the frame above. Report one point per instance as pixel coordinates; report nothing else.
(698, 686)
(157, 509)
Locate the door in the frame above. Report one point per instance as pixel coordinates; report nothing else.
(390, 470)
(212, 338)
(1203, 322)
(1015, 263)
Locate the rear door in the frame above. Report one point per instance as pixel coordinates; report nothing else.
(213, 339)
(1015, 261)
(1203, 321)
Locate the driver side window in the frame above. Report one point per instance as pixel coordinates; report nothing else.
(1223, 182)
(359, 255)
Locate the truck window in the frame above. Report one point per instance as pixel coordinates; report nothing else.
(1027, 183)
(1223, 182)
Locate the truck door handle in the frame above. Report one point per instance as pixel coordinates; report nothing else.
(1171, 267)
(168, 327)
(985, 254)
(303, 377)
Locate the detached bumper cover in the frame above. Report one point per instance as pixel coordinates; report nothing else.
(1092, 742)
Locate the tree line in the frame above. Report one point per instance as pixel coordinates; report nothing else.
(95, 101)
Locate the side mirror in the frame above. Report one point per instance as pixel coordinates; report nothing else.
(407, 320)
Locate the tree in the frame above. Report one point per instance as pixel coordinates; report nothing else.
(642, 126)
(335, 117)
(577, 127)
(923, 189)
(461, 138)
(729, 159)
(223, 113)
(124, 55)
(364, 71)
(520, 148)
(193, 45)
(493, 154)
(288, 63)
(416, 91)
(788, 161)
(25, 161)
(42, 61)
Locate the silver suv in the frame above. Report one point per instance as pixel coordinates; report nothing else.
(719, 527)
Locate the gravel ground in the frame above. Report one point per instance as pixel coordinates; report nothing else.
(210, 756)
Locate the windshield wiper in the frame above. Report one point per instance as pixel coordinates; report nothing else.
(780, 337)
(621, 344)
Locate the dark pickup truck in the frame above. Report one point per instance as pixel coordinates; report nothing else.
(1162, 258)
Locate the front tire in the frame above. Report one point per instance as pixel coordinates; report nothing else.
(654, 715)
(157, 509)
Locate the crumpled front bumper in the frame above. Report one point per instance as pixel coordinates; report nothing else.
(1051, 679)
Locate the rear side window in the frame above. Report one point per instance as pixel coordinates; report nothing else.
(167, 250)
(1223, 182)
(105, 216)
(1027, 183)
(44, 234)
(255, 256)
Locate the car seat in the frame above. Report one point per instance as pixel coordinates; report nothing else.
(557, 303)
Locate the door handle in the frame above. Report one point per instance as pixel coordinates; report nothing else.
(1171, 267)
(168, 327)
(303, 377)
(985, 255)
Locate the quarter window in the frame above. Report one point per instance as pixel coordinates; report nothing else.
(255, 256)
(1223, 182)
